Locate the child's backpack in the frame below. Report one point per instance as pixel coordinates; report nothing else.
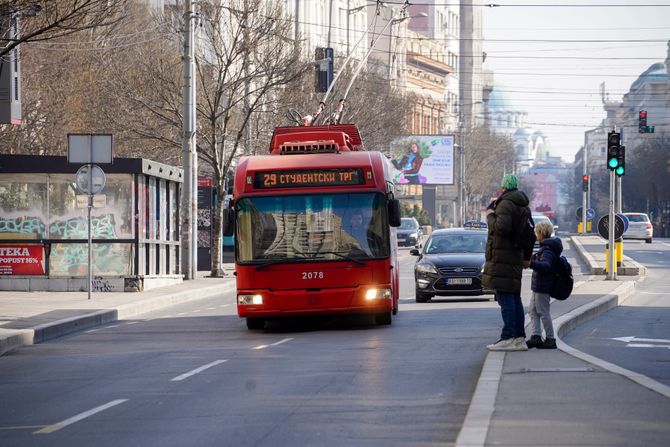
(525, 231)
(564, 281)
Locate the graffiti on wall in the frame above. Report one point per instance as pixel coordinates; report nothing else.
(72, 259)
(23, 225)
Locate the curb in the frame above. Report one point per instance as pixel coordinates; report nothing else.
(59, 328)
(634, 269)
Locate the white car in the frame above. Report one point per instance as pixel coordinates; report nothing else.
(537, 218)
(639, 227)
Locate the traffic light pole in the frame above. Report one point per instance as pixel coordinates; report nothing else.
(611, 257)
(585, 193)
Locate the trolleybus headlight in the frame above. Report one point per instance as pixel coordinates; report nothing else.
(378, 294)
(249, 299)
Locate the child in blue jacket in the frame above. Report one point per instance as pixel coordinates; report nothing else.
(544, 264)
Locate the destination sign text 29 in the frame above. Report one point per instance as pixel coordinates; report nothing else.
(316, 177)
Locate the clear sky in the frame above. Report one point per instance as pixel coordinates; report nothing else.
(550, 57)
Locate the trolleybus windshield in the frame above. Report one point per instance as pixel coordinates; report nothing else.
(312, 227)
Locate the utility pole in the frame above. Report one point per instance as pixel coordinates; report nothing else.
(461, 169)
(585, 194)
(189, 229)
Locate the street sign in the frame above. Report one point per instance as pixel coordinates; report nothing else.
(89, 148)
(98, 179)
(590, 214)
(603, 227)
(625, 221)
(99, 201)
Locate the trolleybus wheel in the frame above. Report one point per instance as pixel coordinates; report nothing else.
(255, 323)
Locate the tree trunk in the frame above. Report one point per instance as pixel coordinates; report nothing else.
(217, 268)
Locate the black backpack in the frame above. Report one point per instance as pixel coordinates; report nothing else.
(563, 282)
(525, 230)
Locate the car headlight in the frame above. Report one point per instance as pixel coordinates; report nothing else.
(482, 270)
(414, 235)
(425, 268)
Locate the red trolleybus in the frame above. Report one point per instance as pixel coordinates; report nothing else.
(314, 226)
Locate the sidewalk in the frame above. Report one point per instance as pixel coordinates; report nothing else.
(565, 397)
(34, 317)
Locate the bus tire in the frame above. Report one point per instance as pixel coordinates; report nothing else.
(255, 323)
(384, 319)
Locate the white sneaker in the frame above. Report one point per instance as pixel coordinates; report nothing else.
(503, 345)
(520, 344)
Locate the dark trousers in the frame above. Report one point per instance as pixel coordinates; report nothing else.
(512, 312)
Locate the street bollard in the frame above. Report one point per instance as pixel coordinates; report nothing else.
(619, 252)
(607, 258)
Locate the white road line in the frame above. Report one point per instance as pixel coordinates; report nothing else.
(112, 326)
(211, 308)
(91, 331)
(197, 311)
(281, 341)
(197, 370)
(132, 322)
(181, 313)
(55, 427)
(260, 347)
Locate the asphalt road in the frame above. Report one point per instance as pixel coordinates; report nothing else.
(194, 375)
(636, 335)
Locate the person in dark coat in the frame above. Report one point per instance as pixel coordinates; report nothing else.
(544, 264)
(505, 262)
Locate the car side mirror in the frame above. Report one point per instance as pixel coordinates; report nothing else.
(228, 222)
(414, 252)
(394, 212)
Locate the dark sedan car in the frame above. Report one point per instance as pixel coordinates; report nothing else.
(450, 263)
(409, 231)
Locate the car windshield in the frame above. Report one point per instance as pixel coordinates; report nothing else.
(637, 218)
(457, 243)
(312, 227)
(408, 224)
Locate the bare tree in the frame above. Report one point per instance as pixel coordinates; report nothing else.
(51, 19)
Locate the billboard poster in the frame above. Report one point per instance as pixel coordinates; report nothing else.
(423, 160)
(21, 259)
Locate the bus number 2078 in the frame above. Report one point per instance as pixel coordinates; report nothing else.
(312, 275)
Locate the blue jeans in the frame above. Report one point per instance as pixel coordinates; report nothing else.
(511, 309)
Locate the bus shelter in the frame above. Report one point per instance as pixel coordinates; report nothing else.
(44, 226)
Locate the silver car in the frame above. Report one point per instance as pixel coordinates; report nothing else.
(639, 227)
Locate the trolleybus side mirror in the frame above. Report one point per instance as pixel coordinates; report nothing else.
(228, 222)
(394, 212)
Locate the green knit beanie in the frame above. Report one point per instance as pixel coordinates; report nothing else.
(509, 181)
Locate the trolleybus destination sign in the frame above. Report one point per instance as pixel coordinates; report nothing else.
(307, 178)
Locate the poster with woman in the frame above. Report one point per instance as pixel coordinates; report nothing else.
(423, 159)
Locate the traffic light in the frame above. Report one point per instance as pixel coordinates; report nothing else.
(621, 168)
(613, 147)
(642, 122)
(324, 58)
(585, 183)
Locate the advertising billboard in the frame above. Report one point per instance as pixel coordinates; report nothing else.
(423, 159)
(20, 259)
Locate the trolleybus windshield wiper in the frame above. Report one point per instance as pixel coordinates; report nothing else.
(340, 254)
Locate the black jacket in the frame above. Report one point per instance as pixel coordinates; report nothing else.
(502, 270)
(545, 265)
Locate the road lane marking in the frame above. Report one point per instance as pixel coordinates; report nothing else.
(646, 345)
(197, 370)
(132, 322)
(281, 341)
(55, 427)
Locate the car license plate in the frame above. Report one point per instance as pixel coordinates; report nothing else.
(459, 281)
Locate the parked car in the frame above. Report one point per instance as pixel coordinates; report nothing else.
(409, 231)
(450, 263)
(639, 227)
(537, 218)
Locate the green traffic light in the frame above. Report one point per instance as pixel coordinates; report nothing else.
(613, 163)
(619, 170)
